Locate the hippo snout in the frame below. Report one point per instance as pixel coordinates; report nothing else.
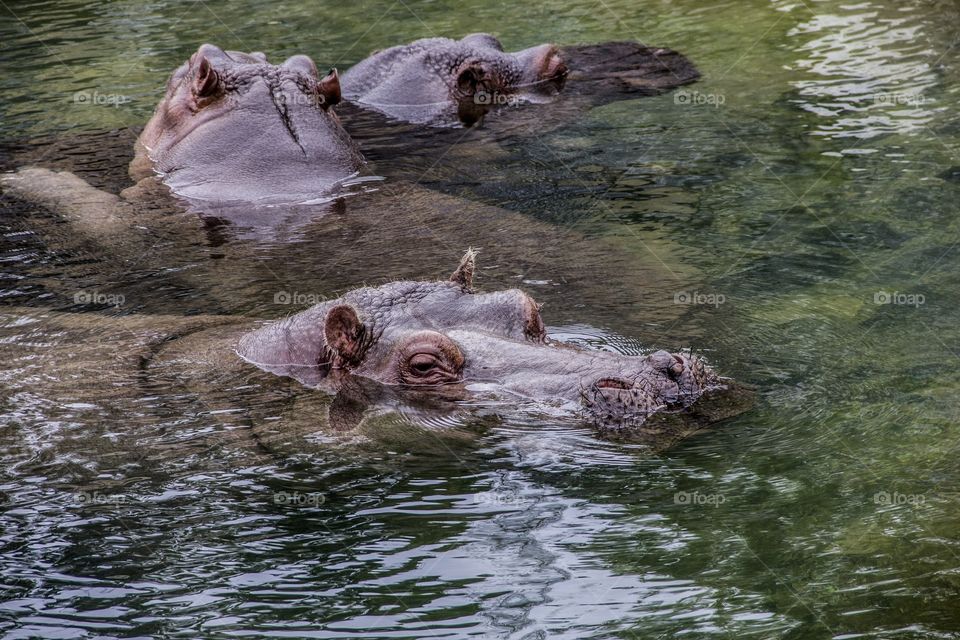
(662, 379)
(615, 399)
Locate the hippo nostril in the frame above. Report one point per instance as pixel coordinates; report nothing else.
(670, 364)
(678, 367)
(612, 383)
(556, 70)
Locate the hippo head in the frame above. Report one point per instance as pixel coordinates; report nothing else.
(233, 127)
(443, 339)
(439, 81)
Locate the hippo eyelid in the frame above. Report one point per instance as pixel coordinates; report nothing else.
(430, 358)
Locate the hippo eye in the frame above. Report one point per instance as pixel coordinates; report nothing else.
(423, 363)
(430, 359)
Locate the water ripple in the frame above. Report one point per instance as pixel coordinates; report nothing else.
(869, 71)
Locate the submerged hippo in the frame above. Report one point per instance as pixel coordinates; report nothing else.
(288, 146)
(243, 140)
(140, 228)
(444, 338)
(430, 348)
(399, 231)
(445, 82)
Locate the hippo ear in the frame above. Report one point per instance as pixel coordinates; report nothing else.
(483, 40)
(464, 273)
(328, 89)
(345, 334)
(206, 82)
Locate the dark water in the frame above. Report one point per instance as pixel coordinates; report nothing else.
(804, 193)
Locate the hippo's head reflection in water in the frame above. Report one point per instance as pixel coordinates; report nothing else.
(442, 340)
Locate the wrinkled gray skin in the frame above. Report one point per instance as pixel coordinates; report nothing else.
(235, 135)
(442, 338)
(445, 82)
(233, 127)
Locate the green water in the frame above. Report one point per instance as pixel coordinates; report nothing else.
(811, 175)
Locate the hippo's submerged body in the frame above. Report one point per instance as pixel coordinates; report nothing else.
(421, 343)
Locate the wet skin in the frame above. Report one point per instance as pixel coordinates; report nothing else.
(620, 390)
(442, 81)
(242, 140)
(233, 127)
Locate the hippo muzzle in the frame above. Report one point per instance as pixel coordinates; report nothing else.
(662, 380)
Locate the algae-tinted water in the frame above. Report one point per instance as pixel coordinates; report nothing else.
(799, 206)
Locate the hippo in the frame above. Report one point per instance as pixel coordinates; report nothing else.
(440, 80)
(140, 229)
(243, 141)
(443, 82)
(434, 347)
(445, 338)
(288, 147)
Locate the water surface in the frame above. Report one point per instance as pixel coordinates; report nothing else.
(805, 191)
